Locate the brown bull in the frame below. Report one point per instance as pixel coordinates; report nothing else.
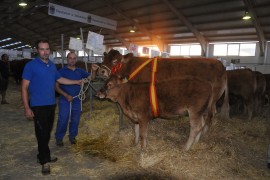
(210, 70)
(175, 98)
(242, 83)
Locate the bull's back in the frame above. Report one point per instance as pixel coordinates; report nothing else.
(210, 70)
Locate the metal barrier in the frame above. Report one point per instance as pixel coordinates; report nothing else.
(94, 87)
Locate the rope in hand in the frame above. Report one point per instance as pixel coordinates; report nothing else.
(82, 94)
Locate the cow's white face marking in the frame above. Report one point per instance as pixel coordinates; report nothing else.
(114, 62)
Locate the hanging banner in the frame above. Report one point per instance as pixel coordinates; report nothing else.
(75, 15)
(75, 44)
(95, 43)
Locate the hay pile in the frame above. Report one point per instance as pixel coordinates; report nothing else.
(233, 149)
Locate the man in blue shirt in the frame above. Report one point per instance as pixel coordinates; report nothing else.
(69, 103)
(39, 77)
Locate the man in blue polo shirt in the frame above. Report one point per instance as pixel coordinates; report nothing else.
(69, 103)
(39, 77)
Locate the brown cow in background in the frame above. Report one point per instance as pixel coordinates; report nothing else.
(260, 91)
(242, 84)
(206, 69)
(175, 98)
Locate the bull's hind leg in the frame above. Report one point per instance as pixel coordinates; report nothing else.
(208, 121)
(143, 132)
(195, 129)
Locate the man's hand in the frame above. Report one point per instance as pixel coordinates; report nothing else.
(95, 67)
(79, 82)
(28, 113)
(69, 98)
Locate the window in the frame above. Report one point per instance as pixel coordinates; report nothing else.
(185, 50)
(175, 50)
(220, 50)
(247, 49)
(235, 49)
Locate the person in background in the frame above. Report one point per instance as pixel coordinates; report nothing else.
(69, 103)
(4, 74)
(39, 78)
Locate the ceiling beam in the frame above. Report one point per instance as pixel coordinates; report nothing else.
(156, 40)
(181, 17)
(259, 31)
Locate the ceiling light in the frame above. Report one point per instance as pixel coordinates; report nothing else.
(246, 16)
(132, 29)
(22, 3)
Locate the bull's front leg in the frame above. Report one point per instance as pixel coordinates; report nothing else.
(137, 133)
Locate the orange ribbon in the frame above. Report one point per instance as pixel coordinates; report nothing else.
(152, 89)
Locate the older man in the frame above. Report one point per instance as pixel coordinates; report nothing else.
(69, 103)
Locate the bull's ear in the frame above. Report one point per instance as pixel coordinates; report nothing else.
(127, 57)
(105, 54)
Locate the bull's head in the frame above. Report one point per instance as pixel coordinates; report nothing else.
(112, 63)
(110, 60)
(111, 88)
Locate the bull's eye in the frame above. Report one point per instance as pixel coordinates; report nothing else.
(103, 71)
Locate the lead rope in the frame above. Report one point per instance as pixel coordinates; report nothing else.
(81, 94)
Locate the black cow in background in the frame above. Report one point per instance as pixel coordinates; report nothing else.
(16, 69)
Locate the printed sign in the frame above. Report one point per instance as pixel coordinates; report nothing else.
(95, 42)
(75, 44)
(75, 15)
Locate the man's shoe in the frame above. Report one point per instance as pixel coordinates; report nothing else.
(73, 141)
(4, 102)
(59, 142)
(45, 169)
(52, 160)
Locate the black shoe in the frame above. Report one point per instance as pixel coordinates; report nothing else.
(4, 102)
(73, 141)
(52, 160)
(59, 142)
(45, 169)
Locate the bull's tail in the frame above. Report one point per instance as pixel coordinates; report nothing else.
(225, 107)
(211, 110)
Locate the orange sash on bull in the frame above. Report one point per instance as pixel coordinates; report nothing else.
(152, 89)
(138, 69)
